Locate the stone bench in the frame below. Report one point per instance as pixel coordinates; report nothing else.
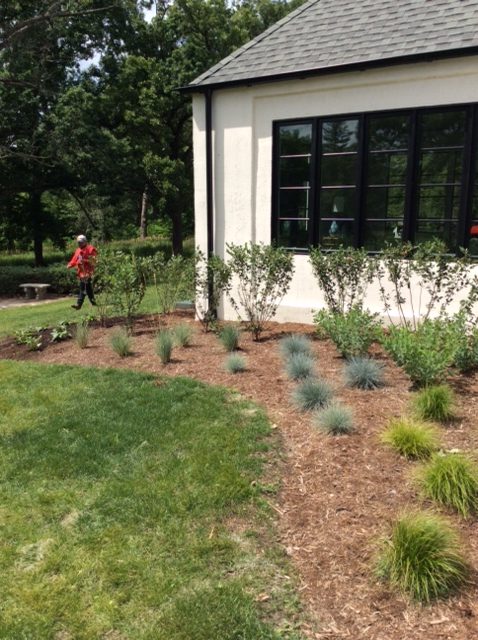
(34, 290)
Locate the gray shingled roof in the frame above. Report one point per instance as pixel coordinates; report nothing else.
(325, 34)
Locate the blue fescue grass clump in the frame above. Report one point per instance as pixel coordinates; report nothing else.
(164, 345)
(295, 343)
(300, 366)
(235, 363)
(229, 336)
(335, 420)
(411, 439)
(363, 373)
(422, 558)
(435, 403)
(182, 334)
(120, 342)
(451, 479)
(312, 394)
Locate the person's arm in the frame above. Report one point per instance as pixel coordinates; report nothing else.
(74, 261)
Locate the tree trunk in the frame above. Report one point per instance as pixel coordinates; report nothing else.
(177, 232)
(143, 222)
(36, 217)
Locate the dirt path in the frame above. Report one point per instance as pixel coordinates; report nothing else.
(338, 495)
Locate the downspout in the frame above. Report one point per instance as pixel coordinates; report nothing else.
(209, 189)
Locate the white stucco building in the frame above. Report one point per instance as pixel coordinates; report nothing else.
(347, 122)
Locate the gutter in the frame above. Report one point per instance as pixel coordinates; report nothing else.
(209, 192)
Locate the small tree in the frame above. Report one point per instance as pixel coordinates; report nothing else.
(212, 279)
(263, 275)
(171, 279)
(126, 285)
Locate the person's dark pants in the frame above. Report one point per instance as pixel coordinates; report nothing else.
(86, 289)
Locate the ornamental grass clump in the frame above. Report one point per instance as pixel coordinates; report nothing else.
(299, 366)
(422, 558)
(235, 363)
(363, 373)
(335, 420)
(82, 333)
(312, 394)
(293, 344)
(229, 336)
(411, 439)
(452, 480)
(164, 345)
(435, 403)
(182, 335)
(120, 342)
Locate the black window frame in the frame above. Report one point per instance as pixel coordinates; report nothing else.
(412, 179)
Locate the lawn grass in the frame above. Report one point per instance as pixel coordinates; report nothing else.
(118, 496)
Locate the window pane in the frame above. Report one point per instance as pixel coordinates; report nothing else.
(445, 230)
(334, 233)
(339, 136)
(338, 203)
(442, 129)
(473, 246)
(379, 234)
(339, 170)
(440, 166)
(439, 202)
(294, 172)
(293, 203)
(388, 132)
(387, 168)
(293, 234)
(385, 202)
(295, 139)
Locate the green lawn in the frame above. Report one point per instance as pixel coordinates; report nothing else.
(118, 498)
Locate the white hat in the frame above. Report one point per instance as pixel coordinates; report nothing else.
(81, 238)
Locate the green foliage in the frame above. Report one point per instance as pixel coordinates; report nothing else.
(466, 339)
(363, 373)
(120, 342)
(124, 281)
(452, 480)
(212, 280)
(262, 276)
(422, 558)
(62, 280)
(352, 332)
(300, 366)
(82, 333)
(414, 440)
(31, 337)
(434, 403)
(235, 363)
(343, 276)
(164, 343)
(172, 280)
(60, 332)
(295, 343)
(335, 420)
(229, 336)
(182, 335)
(312, 394)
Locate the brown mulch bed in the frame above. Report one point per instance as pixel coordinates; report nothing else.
(338, 494)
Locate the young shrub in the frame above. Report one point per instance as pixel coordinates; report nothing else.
(82, 332)
(295, 344)
(172, 280)
(164, 345)
(312, 394)
(452, 480)
(422, 558)
(352, 332)
(229, 336)
(120, 342)
(299, 366)
(126, 285)
(235, 363)
(212, 279)
(336, 420)
(182, 335)
(434, 403)
(414, 440)
(363, 373)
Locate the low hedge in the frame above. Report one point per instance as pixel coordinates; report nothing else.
(61, 279)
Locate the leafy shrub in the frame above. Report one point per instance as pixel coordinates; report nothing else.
(299, 366)
(263, 274)
(172, 280)
(452, 480)
(235, 363)
(352, 332)
(31, 337)
(60, 279)
(422, 558)
(343, 276)
(363, 373)
(414, 440)
(335, 420)
(434, 403)
(212, 279)
(466, 339)
(182, 335)
(312, 394)
(120, 342)
(164, 345)
(295, 344)
(82, 333)
(60, 332)
(229, 336)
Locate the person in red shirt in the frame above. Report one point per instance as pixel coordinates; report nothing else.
(84, 260)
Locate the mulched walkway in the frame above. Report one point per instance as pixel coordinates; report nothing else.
(338, 494)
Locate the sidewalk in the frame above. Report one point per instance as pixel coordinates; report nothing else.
(7, 303)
